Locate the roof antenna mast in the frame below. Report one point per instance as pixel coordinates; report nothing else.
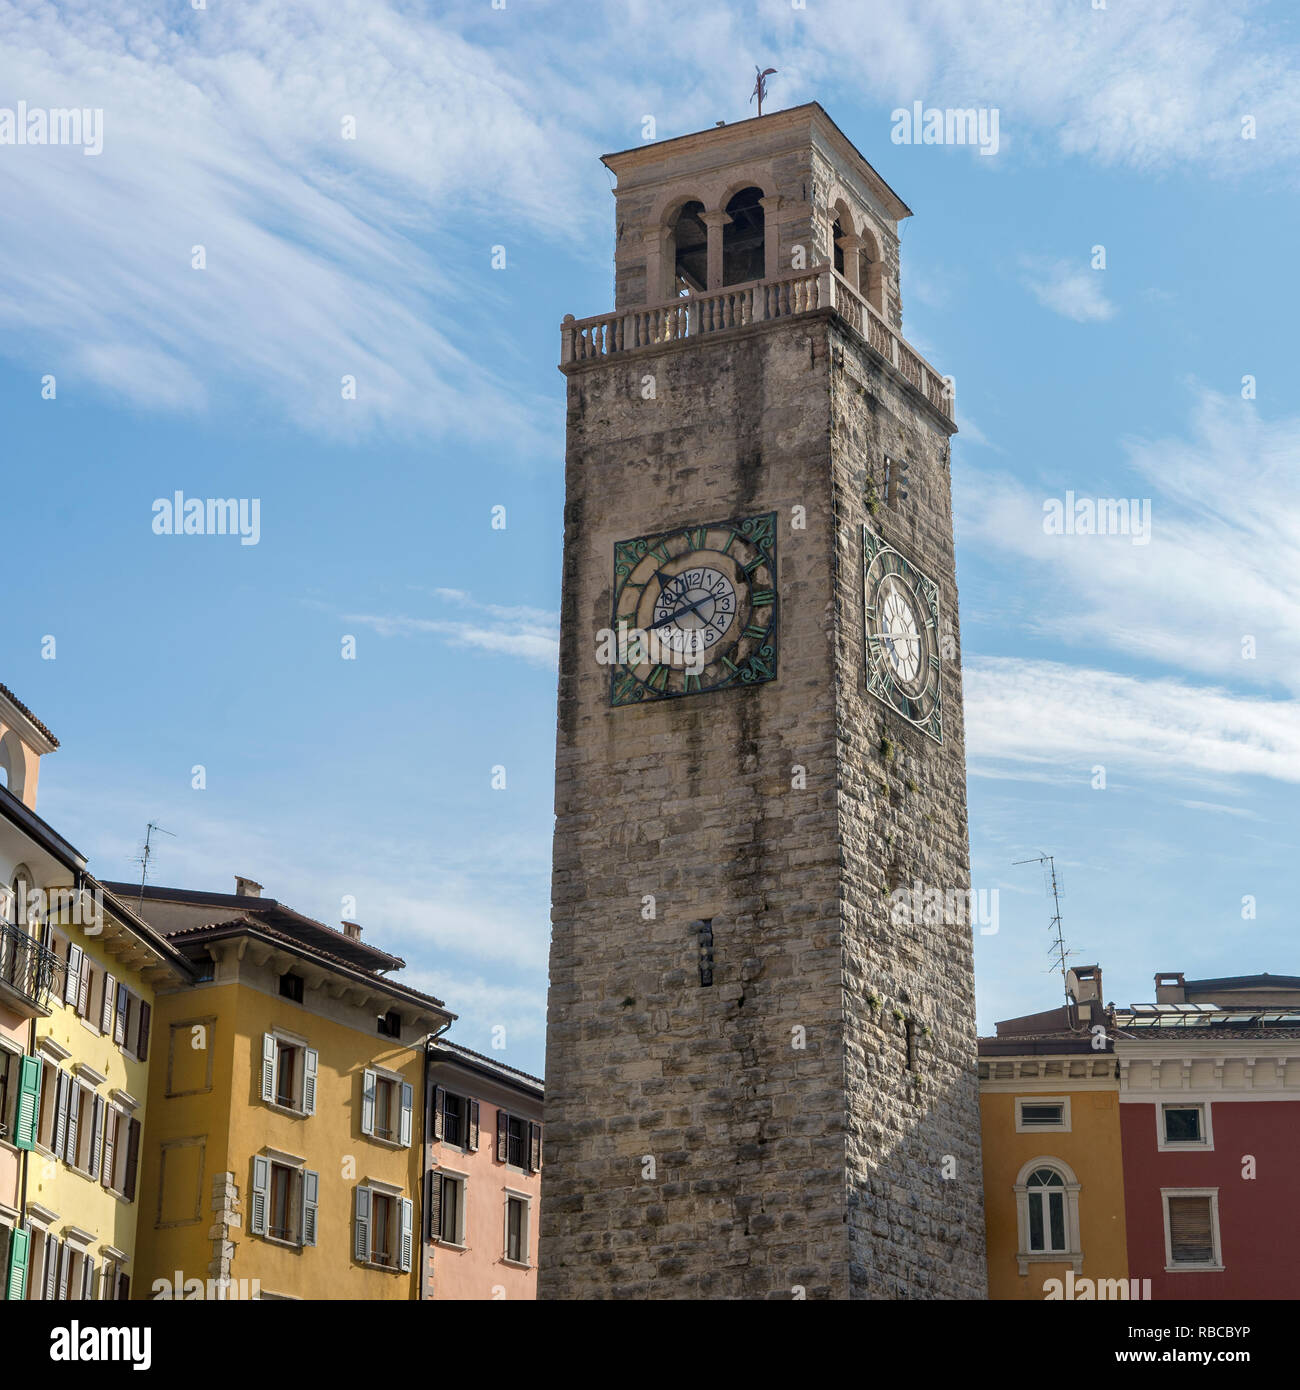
(760, 85)
(1057, 947)
(143, 862)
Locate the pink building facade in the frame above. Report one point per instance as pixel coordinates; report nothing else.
(483, 1141)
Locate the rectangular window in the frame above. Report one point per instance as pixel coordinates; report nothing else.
(1183, 1124)
(451, 1209)
(517, 1142)
(1191, 1230)
(453, 1119)
(517, 1230)
(381, 1228)
(390, 1024)
(291, 987)
(284, 1199)
(9, 1065)
(1042, 1112)
(383, 1108)
(286, 1074)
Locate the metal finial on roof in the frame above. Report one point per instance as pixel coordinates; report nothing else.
(760, 85)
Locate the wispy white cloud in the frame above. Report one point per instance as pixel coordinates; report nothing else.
(532, 634)
(1069, 290)
(1068, 719)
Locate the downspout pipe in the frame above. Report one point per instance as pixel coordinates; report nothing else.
(426, 1165)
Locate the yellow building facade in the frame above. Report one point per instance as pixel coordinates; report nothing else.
(1053, 1173)
(284, 1152)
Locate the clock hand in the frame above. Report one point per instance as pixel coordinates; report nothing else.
(681, 612)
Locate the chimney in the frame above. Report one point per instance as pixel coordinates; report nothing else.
(1083, 985)
(247, 888)
(352, 930)
(1170, 987)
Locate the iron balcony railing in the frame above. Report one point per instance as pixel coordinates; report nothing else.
(26, 967)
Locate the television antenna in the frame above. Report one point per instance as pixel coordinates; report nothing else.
(1058, 947)
(143, 861)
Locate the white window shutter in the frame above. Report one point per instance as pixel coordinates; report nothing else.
(61, 1112)
(96, 1133)
(310, 1063)
(106, 1009)
(363, 1223)
(75, 1092)
(407, 1212)
(368, 1084)
(268, 1066)
(310, 1196)
(408, 1103)
(51, 1270)
(73, 981)
(261, 1185)
(83, 988)
(65, 1263)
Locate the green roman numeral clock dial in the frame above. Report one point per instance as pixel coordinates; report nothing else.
(901, 607)
(695, 609)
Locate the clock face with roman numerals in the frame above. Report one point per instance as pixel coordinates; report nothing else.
(695, 609)
(901, 605)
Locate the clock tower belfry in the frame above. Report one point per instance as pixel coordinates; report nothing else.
(761, 1061)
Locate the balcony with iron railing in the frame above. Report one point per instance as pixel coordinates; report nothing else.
(29, 972)
(740, 306)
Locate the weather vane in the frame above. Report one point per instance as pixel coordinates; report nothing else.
(760, 85)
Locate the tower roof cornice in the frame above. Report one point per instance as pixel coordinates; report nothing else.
(812, 116)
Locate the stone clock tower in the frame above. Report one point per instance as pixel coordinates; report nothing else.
(761, 1063)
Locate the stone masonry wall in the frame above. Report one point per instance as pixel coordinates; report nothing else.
(915, 1232)
(694, 1149)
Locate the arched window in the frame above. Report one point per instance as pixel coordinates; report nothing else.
(744, 251)
(1046, 1191)
(837, 235)
(1047, 1207)
(690, 239)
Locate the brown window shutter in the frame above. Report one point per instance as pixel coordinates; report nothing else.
(1191, 1238)
(438, 1096)
(503, 1134)
(472, 1125)
(435, 1205)
(132, 1158)
(123, 1287)
(142, 1048)
(534, 1147)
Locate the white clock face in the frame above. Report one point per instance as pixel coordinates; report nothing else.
(900, 635)
(694, 610)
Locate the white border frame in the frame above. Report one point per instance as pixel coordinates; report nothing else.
(1062, 1128)
(1186, 1268)
(1185, 1146)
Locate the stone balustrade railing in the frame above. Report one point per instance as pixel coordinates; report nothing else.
(798, 292)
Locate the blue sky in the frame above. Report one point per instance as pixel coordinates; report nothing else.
(372, 257)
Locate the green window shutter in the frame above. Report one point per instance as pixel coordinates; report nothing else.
(311, 1062)
(261, 1186)
(408, 1104)
(310, 1196)
(19, 1253)
(407, 1221)
(362, 1245)
(29, 1102)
